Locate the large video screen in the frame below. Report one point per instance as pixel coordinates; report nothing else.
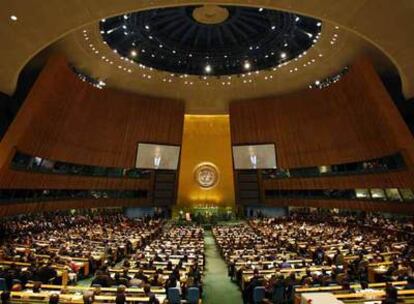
(254, 157)
(153, 156)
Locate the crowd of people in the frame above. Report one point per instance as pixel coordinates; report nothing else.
(307, 250)
(159, 260)
(174, 260)
(125, 255)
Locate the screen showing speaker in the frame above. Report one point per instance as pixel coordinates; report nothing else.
(254, 157)
(154, 156)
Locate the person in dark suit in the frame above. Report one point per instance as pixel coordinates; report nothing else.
(253, 283)
(102, 279)
(410, 283)
(391, 295)
(46, 273)
(150, 295)
(120, 295)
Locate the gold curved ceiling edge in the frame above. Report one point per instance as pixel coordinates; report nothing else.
(26, 37)
(214, 98)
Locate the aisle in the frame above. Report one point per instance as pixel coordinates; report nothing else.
(218, 288)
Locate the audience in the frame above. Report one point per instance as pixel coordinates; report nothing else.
(148, 257)
(310, 250)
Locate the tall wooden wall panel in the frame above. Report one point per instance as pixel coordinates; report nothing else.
(69, 120)
(352, 120)
(66, 119)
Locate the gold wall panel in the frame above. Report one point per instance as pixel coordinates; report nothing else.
(206, 139)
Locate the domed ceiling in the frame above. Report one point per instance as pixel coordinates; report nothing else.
(73, 28)
(210, 39)
(206, 53)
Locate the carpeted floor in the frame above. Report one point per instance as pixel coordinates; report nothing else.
(218, 288)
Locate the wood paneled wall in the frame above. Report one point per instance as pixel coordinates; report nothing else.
(68, 120)
(352, 120)
(25, 208)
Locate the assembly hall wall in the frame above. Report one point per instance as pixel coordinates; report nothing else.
(66, 119)
(352, 120)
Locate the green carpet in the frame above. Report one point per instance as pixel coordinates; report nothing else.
(218, 288)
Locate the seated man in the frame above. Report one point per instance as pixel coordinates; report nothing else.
(254, 282)
(150, 295)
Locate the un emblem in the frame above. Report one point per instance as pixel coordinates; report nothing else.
(206, 175)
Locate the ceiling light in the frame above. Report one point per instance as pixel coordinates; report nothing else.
(207, 68)
(247, 65)
(283, 55)
(134, 53)
(261, 9)
(13, 17)
(273, 27)
(297, 19)
(147, 27)
(319, 24)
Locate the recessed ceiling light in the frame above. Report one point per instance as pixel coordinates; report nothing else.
(247, 65)
(207, 68)
(13, 17)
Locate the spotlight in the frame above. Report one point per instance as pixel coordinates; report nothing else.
(207, 68)
(283, 55)
(247, 65)
(134, 53)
